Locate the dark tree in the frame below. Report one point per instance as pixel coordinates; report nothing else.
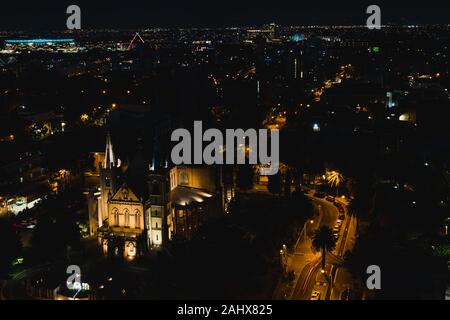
(287, 184)
(301, 206)
(324, 241)
(52, 236)
(244, 179)
(10, 245)
(274, 184)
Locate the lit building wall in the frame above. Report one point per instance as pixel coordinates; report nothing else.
(155, 214)
(193, 177)
(125, 211)
(156, 210)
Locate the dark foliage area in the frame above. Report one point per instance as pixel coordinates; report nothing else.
(10, 245)
(237, 256)
(409, 271)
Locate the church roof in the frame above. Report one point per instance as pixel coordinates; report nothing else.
(124, 193)
(185, 195)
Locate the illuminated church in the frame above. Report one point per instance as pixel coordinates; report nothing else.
(136, 208)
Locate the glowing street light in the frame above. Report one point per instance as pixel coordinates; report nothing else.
(316, 127)
(305, 227)
(283, 258)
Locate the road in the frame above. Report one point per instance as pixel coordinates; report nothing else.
(342, 279)
(306, 264)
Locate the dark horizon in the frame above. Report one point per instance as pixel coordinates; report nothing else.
(22, 16)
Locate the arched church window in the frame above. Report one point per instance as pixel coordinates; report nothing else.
(131, 248)
(138, 218)
(127, 217)
(115, 214)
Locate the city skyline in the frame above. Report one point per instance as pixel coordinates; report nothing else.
(106, 14)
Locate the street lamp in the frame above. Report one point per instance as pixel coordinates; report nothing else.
(304, 227)
(283, 258)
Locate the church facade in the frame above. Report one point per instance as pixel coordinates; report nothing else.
(135, 208)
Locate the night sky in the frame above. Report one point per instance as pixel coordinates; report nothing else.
(46, 14)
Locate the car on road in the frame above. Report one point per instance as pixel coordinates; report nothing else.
(336, 235)
(330, 199)
(336, 229)
(320, 194)
(339, 206)
(341, 216)
(315, 295)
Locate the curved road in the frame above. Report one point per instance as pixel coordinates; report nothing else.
(307, 264)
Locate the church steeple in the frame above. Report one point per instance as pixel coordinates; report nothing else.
(110, 160)
(108, 179)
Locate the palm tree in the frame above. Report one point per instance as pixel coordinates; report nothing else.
(334, 179)
(323, 240)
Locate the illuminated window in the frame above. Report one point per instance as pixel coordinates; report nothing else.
(131, 248)
(138, 219)
(184, 178)
(115, 213)
(155, 212)
(172, 182)
(127, 218)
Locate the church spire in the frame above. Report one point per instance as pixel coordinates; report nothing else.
(110, 160)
